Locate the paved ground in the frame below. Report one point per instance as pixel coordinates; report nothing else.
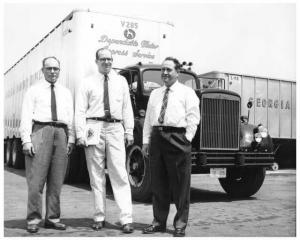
(269, 213)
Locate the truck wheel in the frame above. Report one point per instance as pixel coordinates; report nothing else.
(8, 152)
(243, 182)
(138, 170)
(17, 156)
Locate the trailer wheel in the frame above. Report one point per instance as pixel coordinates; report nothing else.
(8, 152)
(138, 169)
(17, 156)
(243, 182)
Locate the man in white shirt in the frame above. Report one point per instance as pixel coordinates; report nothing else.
(170, 124)
(47, 134)
(104, 124)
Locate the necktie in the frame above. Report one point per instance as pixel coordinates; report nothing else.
(106, 98)
(53, 104)
(163, 106)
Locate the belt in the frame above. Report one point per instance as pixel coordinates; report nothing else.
(169, 129)
(53, 124)
(105, 119)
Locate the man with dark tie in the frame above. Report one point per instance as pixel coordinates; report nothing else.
(104, 124)
(48, 136)
(170, 124)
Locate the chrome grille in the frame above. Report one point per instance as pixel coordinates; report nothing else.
(220, 119)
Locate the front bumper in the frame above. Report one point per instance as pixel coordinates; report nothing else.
(231, 159)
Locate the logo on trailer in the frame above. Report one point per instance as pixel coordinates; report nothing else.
(129, 34)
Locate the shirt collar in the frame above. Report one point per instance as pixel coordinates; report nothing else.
(110, 74)
(173, 87)
(46, 84)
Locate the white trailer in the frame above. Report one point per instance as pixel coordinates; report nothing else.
(74, 42)
(274, 106)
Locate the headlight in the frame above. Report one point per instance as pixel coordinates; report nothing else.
(261, 133)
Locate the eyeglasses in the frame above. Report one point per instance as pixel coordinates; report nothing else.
(166, 69)
(105, 59)
(55, 69)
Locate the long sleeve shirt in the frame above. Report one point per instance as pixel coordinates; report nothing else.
(182, 110)
(89, 101)
(37, 107)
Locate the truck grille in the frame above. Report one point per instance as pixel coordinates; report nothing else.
(220, 119)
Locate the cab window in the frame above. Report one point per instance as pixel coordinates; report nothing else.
(152, 80)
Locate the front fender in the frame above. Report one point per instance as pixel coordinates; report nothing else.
(246, 135)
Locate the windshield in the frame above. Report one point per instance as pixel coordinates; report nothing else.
(211, 83)
(152, 80)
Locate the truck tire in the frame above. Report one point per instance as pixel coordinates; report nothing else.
(17, 156)
(138, 169)
(8, 152)
(243, 182)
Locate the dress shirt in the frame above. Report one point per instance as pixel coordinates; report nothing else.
(89, 101)
(182, 110)
(37, 106)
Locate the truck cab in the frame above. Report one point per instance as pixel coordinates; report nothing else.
(225, 145)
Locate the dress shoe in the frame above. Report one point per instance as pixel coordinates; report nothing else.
(32, 228)
(55, 225)
(179, 232)
(98, 225)
(152, 229)
(127, 228)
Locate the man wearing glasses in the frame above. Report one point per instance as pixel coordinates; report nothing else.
(48, 138)
(104, 124)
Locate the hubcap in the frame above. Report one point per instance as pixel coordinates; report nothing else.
(136, 166)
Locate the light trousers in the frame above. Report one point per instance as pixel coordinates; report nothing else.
(111, 145)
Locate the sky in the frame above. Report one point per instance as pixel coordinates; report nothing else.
(248, 38)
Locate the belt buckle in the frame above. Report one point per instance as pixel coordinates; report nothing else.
(160, 128)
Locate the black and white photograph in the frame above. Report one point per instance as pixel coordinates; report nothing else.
(149, 118)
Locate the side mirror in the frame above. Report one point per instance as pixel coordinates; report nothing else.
(244, 119)
(249, 105)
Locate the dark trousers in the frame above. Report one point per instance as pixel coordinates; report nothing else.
(47, 165)
(170, 162)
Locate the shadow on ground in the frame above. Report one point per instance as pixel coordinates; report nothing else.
(75, 227)
(197, 195)
(201, 195)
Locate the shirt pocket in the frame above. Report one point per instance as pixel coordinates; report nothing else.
(117, 96)
(41, 100)
(95, 95)
(119, 99)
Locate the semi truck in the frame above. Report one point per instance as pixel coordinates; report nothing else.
(226, 144)
(274, 106)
